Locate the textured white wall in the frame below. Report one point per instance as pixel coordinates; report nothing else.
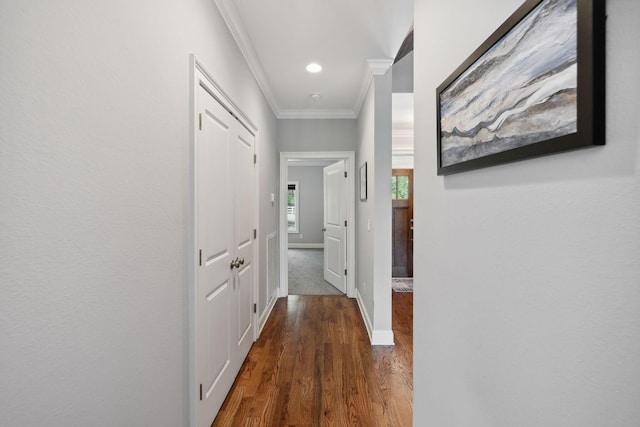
(527, 302)
(94, 173)
(317, 135)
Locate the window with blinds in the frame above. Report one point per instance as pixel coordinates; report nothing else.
(292, 206)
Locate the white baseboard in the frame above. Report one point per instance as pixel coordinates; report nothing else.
(382, 337)
(376, 336)
(364, 314)
(265, 314)
(306, 245)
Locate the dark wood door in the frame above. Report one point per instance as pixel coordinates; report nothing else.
(402, 204)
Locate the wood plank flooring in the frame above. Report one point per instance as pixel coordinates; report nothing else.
(313, 366)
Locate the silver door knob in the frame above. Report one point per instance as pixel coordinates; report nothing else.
(235, 263)
(240, 262)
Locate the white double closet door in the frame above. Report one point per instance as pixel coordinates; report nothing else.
(224, 199)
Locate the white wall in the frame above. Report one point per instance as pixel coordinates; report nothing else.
(527, 275)
(373, 239)
(94, 173)
(299, 135)
(311, 203)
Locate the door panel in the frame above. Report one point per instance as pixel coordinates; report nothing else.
(216, 350)
(244, 183)
(243, 335)
(215, 243)
(402, 219)
(335, 230)
(334, 252)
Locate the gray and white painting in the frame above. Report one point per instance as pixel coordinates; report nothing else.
(521, 91)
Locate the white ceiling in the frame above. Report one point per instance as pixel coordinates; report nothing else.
(280, 37)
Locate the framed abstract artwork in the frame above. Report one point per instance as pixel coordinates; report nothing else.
(536, 86)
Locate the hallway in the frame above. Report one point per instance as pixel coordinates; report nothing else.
(313, 365)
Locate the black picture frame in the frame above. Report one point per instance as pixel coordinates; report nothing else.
(363, 182)
(458, 153)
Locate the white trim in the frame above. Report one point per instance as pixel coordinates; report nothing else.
(306, 245)
(317, 114)
(202, 78)
(364, 90)
(375, 67)
(376, 336)
(379, 67)
(380, 337)
(264, 316)
(309, 163)
(349, 158)
(231, 17)
(364, 314)
(222, 97)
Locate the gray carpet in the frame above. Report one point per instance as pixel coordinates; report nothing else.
(306, 275)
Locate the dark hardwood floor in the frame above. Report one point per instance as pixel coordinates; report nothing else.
(313, 366)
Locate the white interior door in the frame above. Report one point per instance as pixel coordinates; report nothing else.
(334, 225)
(224, 194)
(243, 174)
(214, 275)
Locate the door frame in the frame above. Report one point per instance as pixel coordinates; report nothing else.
(349, 158)
(202, 78)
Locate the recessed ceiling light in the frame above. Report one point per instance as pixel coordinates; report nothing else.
(315, 96)
(314, 68)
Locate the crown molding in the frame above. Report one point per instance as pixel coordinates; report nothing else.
(364, 89)
(309, 163)
(231, 17)
(376, 67)
(379, 67)
(317, 114)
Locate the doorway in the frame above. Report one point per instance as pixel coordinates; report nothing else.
(315, 268)
(342, 248)
(402, 222)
